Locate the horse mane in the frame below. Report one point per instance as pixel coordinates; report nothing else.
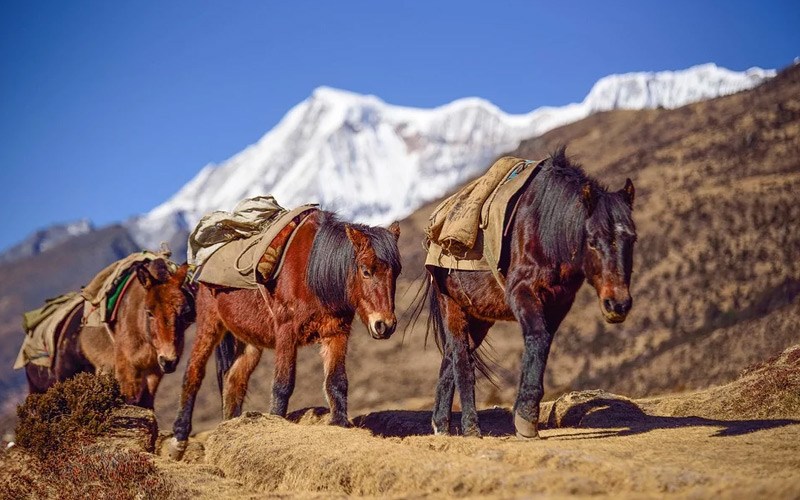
(558, 206)
(332, 259)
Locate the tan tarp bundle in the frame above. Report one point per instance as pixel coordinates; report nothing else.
(248, 218)
(466, 230)
(238, 263)
(102, 285)
(41, 328)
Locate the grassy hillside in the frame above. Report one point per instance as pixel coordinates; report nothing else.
(715, 285)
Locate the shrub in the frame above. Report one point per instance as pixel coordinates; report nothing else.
(68, 413)
(85, 471)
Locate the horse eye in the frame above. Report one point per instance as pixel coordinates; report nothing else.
(592, 244)
(365, 271)
(149, 313)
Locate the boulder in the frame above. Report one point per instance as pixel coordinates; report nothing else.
(595, 408)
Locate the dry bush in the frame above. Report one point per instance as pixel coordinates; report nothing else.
(70, 412)
(61, 450)
(84, 471)
(771, 389)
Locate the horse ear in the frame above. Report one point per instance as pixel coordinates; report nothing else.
(560, 156)
(588, 197)
(629, 192)
(357, 238)
(154, 272)
(395, 230)
(159, 268)
(143, 275)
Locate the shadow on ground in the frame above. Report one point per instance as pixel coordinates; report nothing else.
(611, 417)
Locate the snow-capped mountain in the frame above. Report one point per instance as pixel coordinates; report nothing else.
(44, 239)
(374, 162)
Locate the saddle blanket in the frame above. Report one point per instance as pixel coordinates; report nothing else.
(466, 230)
(42, 327)
(248, 260)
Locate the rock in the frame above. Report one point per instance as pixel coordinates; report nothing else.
(595, 408)
(133, 427)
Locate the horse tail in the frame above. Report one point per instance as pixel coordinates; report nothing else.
(429, 293)
(224, 355)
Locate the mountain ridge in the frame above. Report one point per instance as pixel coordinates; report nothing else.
(397, 158)
(375, 162)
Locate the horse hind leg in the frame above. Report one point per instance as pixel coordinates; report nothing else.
(445, 391)
(40, 378)
(457, 332)
(237, 379)
(445, 387)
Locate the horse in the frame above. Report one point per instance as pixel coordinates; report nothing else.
(567, 230)
(144, 343)
(331, 272)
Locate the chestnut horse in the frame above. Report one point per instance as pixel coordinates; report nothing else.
(567, 230)
(144, 343)
(331, 272)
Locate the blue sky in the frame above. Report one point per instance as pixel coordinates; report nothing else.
(108, 108)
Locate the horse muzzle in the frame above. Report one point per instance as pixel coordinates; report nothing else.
(615, 311)
(382, 329)
(167, 365)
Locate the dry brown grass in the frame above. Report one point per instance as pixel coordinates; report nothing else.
(700, 444)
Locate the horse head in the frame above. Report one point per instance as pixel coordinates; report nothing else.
(169, 309)
(373, 280)
(608, 252)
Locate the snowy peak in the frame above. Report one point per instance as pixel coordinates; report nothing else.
(44, 239)
(670, 89)
(375, 162)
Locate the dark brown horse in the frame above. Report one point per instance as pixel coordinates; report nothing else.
(331, 272)
(143, 344)
(567, 230)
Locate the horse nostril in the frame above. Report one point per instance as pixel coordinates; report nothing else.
(608, 305)
(167, 365)
(380, 327)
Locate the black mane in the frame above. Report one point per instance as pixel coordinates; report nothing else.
(332, 259)
(558, 207)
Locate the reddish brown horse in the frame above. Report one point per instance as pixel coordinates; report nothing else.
(143, 344)
(332, 271)
(567, 230)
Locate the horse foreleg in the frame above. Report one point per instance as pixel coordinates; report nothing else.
(208, 336)
(150, 385)
(334, 351)
(445, 391)
(236, 381)
(285, 369)
(130, 380)
(537, 339)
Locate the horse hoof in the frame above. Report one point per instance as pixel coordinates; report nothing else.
(441, 430)
(342, 422)
(176, 448)
(472, 431)
(525, 429)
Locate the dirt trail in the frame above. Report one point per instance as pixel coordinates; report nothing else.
(739, 440)
(645, 456)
